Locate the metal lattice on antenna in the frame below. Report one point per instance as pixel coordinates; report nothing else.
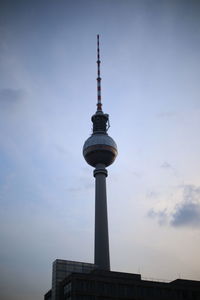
(99, 104)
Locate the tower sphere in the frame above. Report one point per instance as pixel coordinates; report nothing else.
(100, 148)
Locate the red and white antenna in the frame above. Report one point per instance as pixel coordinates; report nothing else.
(99, 104)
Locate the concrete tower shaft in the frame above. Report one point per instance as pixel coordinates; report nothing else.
(100, 151)
(101, 249)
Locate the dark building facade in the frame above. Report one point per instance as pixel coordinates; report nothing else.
(105, 285)
(61, 270)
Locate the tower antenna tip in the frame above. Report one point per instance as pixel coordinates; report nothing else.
(99, 104)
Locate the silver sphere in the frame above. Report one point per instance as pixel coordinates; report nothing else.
(99, 149)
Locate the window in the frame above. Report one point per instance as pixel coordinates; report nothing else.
(67, 288)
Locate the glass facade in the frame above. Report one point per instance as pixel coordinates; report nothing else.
(62, 269)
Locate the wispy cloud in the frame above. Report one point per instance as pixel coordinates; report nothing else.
(169, 167)
(161, 216)
(185, 213)
(166, 165)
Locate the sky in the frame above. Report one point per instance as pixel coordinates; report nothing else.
(150, 53)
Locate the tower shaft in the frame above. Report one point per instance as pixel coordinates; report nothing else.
(101, 251)
(100, 151)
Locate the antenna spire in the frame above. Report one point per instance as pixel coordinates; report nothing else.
(99, 104)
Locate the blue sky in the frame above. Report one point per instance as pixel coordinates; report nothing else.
(150, 87)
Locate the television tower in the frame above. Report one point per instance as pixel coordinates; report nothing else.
(100, 151)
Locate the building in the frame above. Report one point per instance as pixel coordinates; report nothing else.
(61, 270)
(98, 284)
(84, 281)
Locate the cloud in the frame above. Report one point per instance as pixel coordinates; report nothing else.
(160, 215)
(9, 97)
(166, 165)
(186, 213)
(191, 193)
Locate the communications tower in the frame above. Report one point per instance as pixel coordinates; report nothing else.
(100, 151)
